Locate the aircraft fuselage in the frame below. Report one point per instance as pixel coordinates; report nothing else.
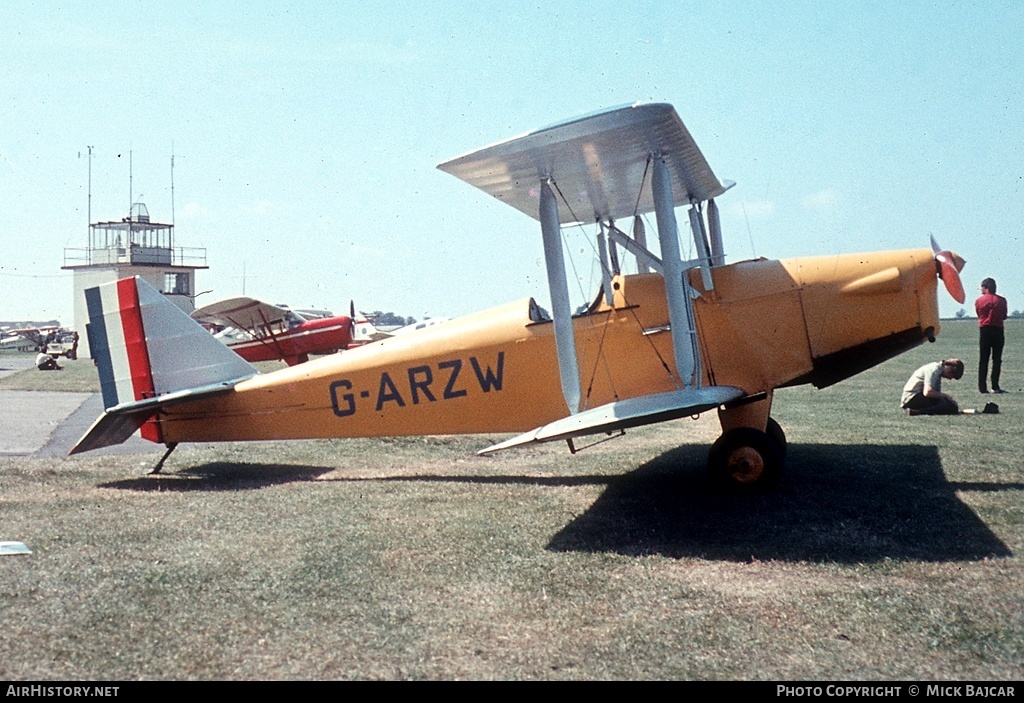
(766, 324)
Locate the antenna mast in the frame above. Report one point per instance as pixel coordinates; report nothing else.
(89, 199)
(171, 235)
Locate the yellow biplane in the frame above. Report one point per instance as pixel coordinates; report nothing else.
(677, 338)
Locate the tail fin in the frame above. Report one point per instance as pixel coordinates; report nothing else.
(149, 354)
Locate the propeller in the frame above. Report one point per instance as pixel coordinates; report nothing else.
(949, 265)
(351, 318)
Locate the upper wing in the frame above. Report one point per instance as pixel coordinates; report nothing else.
(246, 313)
(29, 334)
(599, 163)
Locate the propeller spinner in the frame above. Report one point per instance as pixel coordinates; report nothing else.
(949, 265)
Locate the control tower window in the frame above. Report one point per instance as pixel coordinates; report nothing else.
(177, 284)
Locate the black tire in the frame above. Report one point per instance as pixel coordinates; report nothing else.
(774, 431)
(745, 460)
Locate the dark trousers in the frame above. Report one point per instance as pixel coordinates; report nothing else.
(921, 404)
(991, 344)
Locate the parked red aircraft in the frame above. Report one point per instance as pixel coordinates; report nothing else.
(258, 331)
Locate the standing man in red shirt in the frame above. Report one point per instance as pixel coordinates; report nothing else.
(991, 309)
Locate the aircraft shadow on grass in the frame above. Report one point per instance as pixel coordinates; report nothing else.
(223, 476)
(835, 503)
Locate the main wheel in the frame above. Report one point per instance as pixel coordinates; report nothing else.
(745, 460)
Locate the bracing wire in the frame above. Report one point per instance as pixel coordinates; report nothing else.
(643, 182)
(650, 342)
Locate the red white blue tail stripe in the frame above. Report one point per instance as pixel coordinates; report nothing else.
(117, 339)
(145, 348)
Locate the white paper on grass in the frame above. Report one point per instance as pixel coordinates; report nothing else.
(13, 548)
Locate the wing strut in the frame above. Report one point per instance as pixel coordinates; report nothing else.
(645, 260)
(613, 251)
(677, 287)
(701, 240)
(715, 227)
(561, 312)
(606, 270)
(640, 235)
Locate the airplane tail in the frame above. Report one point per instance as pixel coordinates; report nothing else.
(149, 354)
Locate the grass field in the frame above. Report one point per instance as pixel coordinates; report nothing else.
(77, 376)
(891, 550)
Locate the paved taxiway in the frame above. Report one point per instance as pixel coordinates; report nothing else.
(48, 423)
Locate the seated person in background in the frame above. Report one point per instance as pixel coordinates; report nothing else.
(45, 362)
(922, 395)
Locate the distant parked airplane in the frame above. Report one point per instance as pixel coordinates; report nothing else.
(54, 340)
(259, 331)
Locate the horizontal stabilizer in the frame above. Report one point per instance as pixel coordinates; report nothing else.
(120, 422)
(110, 429)
(622, 414)
(599, 163)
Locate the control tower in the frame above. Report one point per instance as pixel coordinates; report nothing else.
(135, 246)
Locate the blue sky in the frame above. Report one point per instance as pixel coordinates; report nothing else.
(306, 138)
